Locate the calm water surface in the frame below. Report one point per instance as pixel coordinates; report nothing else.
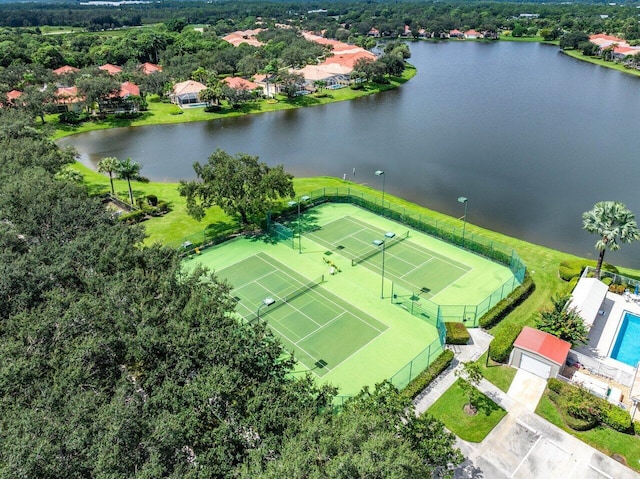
(532, 137)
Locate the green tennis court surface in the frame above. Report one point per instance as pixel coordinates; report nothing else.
(337, 325)
(320, 328)
(406, 263)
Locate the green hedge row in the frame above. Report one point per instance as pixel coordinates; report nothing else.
(457, 333)
(426, 377)
(582, 410)
(508, 304)
(502, 344)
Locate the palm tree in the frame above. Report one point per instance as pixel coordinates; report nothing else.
(109, 165)
(130, 170)
(614, 223)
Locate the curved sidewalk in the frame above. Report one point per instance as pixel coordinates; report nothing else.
(522, 445)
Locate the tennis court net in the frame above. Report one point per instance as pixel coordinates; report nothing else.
(280, 298)
(388, 243)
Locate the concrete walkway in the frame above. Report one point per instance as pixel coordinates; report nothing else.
(522, 445)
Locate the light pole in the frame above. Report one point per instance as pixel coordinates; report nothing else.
(381, 173)
(304, 198)
(268, 301)
(381, 243)
(465, 200)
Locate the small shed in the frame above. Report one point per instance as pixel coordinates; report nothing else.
(539, 353)
(587, 298)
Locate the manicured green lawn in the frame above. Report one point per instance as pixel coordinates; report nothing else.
(449, 409)
(498, 374)
(509, 38)
(598, 61)
(602, 438)
(160, 113)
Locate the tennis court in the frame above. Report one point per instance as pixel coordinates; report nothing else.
(408, 264)
(319, 327)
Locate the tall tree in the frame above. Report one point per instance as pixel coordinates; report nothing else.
(471, 376)
(109, 165)
(563, 321)
(130, 170)
(613, 223)
(240, 185)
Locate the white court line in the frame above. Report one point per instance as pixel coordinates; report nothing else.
(320, 328)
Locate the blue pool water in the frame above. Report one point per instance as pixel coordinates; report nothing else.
(627, 347)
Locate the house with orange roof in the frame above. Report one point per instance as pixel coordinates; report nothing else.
(472, 34)
(149, 68)
(110, 69)
(12, 96)
(334, 76)
(244, 36)
(186, 94)
(65, 70)
(268, 83)
(67, 99)
(240, 83)
(456, 34)
(128, 89)
(374, 32)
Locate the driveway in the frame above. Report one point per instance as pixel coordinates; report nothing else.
(526, 446)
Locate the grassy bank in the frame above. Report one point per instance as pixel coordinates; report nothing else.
(600, 62)
(160, 113)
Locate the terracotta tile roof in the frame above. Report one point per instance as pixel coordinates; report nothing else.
(624, 50)
(67, 94)
(244, 36)
(128, 89)
(13, 94)
(603, 36)
(189, 86)
(237, 82)
(455, 32)
(111, 69)
(149, 68)
(471, 32)
(65, 69)
(544, 344)
(349, 60)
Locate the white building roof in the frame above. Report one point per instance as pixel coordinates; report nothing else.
(587, 298)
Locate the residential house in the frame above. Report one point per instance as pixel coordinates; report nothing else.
(244, 36)
(122, 102)
(333, 75)
(456, 34)
(67, 99)
(472, 35)
(149, 68)
(187, 93)
(268, 83)
(374, 32)
(111, 69)
(240, 83)
(64, 70)
(12, 96)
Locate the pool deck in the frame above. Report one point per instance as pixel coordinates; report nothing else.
(602, 337)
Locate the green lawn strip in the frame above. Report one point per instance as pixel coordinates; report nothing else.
(509, 38)
(449, 409)
(498, 374)
(599, 61)
(160, 113)
(603, 438)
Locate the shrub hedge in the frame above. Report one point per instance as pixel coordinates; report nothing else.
(582, 411)
(427, 376)
(502, 344)
(134, 217)
(508, 304)
(457, 333)
(636, 428)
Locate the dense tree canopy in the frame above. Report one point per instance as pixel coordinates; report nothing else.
(240, 185)
(115, 362)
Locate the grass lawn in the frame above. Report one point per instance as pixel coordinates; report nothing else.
(607, 440)
(160, 113)
(599, 61)
(498, 374)
(509, 38)
(449, 409)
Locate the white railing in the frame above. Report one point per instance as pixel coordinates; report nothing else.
(599, 368)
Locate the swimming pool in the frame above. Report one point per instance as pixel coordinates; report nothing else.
(627, 346)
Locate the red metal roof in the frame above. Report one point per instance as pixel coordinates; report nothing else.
(544, 344)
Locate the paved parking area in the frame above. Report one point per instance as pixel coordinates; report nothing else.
(525, 446)
(522, 445)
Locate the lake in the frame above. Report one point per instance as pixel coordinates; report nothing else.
(531, 136)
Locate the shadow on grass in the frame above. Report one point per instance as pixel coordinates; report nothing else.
(484, 404)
